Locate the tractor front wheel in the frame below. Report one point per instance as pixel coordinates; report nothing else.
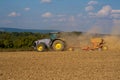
(58, 45)
(41, 47)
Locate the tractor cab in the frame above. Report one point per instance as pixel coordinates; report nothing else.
(54, 35)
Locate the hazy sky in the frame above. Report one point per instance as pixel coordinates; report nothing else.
(66, 15)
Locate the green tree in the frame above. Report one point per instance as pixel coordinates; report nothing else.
(8, 43)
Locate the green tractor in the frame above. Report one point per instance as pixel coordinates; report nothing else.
(53, 43)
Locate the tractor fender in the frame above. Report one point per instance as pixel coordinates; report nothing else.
(45, 41)
(57, 39)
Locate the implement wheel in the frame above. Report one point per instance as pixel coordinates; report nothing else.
(58, 45)
(104, 48)
(41, 47)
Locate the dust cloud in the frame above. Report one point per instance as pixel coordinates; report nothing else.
(76, 40)
(112, 40)
(71, 39)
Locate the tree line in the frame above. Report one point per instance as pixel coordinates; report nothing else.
(17, 40)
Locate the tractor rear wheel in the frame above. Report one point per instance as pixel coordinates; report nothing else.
(41, 47)
(58, 45)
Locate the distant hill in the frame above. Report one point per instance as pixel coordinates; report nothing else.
(26, 30)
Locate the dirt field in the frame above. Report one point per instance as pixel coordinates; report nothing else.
(68, 65)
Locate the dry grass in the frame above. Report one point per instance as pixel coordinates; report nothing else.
(75, 65)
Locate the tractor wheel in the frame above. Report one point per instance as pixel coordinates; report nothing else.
(41, 47)
(58, 45)
(104, 48)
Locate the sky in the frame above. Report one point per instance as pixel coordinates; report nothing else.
(67, 15)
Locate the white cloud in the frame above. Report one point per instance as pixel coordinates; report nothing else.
(47, 15)
(27, 9)
(89, 8)
(92, 2)
(115, 11)
(105, 11)
(115, 14)
(45, 1)
(14, 14)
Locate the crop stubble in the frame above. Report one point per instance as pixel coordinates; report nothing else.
(67, 65)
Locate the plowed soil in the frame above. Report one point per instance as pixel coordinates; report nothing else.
(66, 65)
